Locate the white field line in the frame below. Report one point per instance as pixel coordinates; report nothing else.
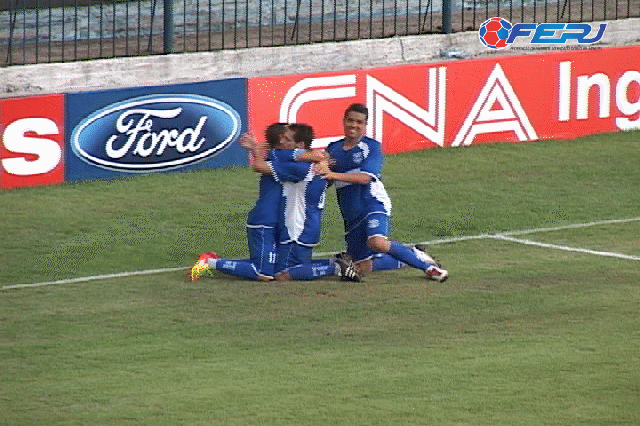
(94, 277)
(532, 231)
(502, 236)
(565, 248)
(572, 226)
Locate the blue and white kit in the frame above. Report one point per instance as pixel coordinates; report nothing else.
(365, 208)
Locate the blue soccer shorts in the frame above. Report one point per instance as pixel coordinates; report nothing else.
(262, 249)
(376, 224)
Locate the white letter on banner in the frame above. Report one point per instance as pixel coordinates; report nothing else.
(48, 151)
(626, 107)
(306, 90)
(585, 82)
(564, 92)
(428, 122)
(484, 119)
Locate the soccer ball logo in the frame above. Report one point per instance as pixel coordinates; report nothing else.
(495, 32)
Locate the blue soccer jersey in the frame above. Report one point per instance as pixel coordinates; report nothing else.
(266, 211)
(303, 202)
(359, 201)
(264, 218)
(302, 212)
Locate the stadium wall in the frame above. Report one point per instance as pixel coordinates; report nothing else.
(174, 118)
(103, 74)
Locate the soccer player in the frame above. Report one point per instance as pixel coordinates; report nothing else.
(294, 220)
(262, 221)
(364, 203)
(301, 220)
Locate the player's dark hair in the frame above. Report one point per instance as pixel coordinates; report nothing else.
(302, 133)
(357, 108)
(273, 133)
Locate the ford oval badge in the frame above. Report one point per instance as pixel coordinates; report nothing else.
(155, 133)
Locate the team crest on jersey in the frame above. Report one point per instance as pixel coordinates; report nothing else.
(357, 157)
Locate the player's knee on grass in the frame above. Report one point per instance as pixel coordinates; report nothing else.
(378, 244)
(282, 276)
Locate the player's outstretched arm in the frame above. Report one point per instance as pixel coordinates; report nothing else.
(356, 177)
(313, 156)
(261, 166)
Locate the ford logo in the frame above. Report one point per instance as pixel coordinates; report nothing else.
(154, 133)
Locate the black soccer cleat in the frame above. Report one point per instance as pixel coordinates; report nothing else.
(348, 271)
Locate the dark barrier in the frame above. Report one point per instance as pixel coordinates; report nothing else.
(40, 31)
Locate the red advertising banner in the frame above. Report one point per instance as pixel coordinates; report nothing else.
(524, 98)
(32, 143)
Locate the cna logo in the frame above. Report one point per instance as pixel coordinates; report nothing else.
(155, 133)
(498, 33)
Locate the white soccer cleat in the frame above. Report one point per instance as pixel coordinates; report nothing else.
(421, 253)
(435, 271)
(437, 274)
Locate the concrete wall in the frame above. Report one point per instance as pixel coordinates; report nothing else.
(16, 81)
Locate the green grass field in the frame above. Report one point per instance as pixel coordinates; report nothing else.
(536, 327)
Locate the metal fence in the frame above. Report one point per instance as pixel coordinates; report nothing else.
(40, 31)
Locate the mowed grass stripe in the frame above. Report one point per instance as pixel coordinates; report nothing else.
(158, 221)
(502, 236)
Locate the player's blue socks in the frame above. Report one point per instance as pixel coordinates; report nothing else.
(314, 270)
(243, 268)
(407, 255)
(384, 262)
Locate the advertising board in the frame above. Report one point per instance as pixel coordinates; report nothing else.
(126, 132)
(32, 141)
(510, 98)
(155, 129)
